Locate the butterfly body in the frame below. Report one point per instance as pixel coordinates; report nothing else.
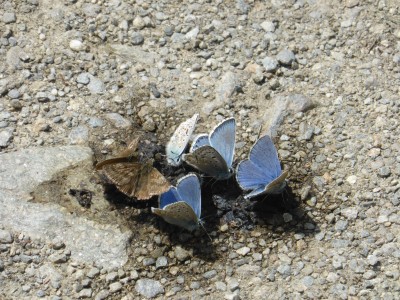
(213, 154)
(179, 140)
(181, 205)
(261, 173)
(134, 178)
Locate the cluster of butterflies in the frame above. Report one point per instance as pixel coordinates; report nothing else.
(211, 154)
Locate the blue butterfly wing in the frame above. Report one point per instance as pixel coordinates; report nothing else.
(265, 157)
(222, 139)
(169, 197)
(199, 141)
(251, 177)
(189, 190)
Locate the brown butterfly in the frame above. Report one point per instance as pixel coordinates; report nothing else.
(134, 178)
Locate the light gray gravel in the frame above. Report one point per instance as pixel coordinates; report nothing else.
(321, 78)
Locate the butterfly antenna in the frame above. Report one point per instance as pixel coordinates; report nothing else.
(259, 132)
(202, 226)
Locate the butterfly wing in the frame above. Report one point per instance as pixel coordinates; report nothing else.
(264, 155)
(207, 160)
(222, 138)
(128, 155)
(179, 213)
(170, 196)
(250, 177)
(274, 187)
(124, 175)
(189, 191)
(179, 140)
(199, 141)
(150, 183)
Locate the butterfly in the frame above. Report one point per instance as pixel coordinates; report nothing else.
(261, 173)
(213, 154)
(181, 205)
(134, 178)
(179, 140)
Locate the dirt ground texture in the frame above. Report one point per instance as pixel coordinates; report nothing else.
(322, 77)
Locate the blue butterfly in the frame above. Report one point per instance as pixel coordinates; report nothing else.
(179, 140)
(181, 205)
(213, 154)
(261, 173)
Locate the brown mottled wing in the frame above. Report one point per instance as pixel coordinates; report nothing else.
(178, 213)
(207, 160)
(125, 176)
(128, 155)
(150, 182)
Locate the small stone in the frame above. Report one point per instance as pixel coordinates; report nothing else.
(137, 38)
(341, 225)
(210, 274)
(93, 272)
(148, 261)
(369, 275)
(181, 254)
(115, 287)
(111, 277)
(384, 172)
(287, 217)
(270, 64)
(9, 17)
(268, 26)
(85, 293)
(95, 86)
(6, 237)
(57, 258)
(76, 45)
(40, 293)
(95, 122)
(286, 57)
(195, 285)
(220, 286)
(161, 262)
(26, 287)
(42, 96)
(83, 78)
(13, 94)
(243, 251)
(233, 284)
(118, 120)
(5, 138)
(103, 294)
(352, 179)
(79, 135)
(149, 288)
(350, 212)
(149, 125)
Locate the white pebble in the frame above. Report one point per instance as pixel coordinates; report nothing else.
(76, 45)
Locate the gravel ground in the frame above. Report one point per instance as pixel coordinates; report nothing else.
(321, 76)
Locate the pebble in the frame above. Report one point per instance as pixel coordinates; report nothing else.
(83, 78)
(181, 254)
(137, 38)
(6, 237)
(286, 57)
(161, 262)
(76, 45)
(9, 17)
(111, 277)
(115, 287)
(118, 121)
(270, 64)
(79, 135)
(5, 138)
(149, 288)
(58, 258)
(103, 294)
(85, 293)
(210, 274)
(14, 94)
(243, 251)
(95, 85)
(268, 26)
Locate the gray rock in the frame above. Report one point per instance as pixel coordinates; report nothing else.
(57, 258)
(5, 137)
(95, 86)
(270, 64)
(111, 277)
(42, 96)
(137, 38)
(384, 172)
(22, 172)
(181, 254)
(148, 261)
(83, 78)
(161, 262)
(268, 26)
(93, 272)
(118, 120)
(85, 293)
(210, 274)
(286, 57)
(76, 45)
(95, 122)
(9, 17)
(115, 287)
(341, 225)
(149, 288)
(103, 294)
(79, 135)
(6, 237)
(195, 285)
(14, 94)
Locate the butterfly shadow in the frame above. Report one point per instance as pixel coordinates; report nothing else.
(282, 212)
